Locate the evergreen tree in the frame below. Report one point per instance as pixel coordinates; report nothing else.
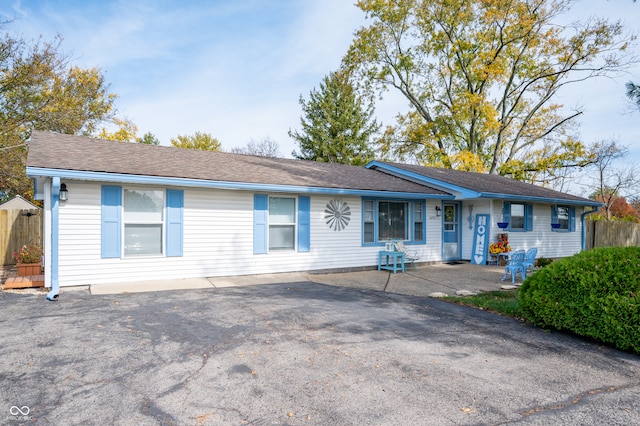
(633, 92)
(149, 139)
(337, 125)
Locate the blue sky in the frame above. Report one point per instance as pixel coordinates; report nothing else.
(236, 68)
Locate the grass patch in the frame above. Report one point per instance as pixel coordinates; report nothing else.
(503, 302)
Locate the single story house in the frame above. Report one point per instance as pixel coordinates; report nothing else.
(122, 212)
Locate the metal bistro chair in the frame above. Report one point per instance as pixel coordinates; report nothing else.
(409, 257)
(514, 266)
(529, 259)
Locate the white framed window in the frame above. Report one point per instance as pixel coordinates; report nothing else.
(517, 216)
(143, 218)
(563, 217)
(282, 223)
(418, 222)
(369, 221)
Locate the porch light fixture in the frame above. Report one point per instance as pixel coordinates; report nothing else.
(64, 193)
(438, 211)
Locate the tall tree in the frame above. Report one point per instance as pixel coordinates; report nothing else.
(609, 180)
(337, 125)
(264, 148)
(481, 78)
(40, 90)
(199, 140)
(149, 139)
(633, 92)
(125, 131)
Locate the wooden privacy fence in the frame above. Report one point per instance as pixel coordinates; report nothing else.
(18, 227)
(602, 233)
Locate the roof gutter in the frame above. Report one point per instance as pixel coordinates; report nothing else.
(199, 183)
(528, 198)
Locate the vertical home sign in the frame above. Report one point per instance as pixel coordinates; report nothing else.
(480, 240)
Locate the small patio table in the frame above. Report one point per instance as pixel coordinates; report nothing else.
(394, 260)
(504, 255)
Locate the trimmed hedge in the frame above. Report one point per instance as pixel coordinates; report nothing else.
(595, 293)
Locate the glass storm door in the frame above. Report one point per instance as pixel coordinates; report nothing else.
(450, 232)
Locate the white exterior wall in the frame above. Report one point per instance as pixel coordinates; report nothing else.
(218, 240)
(550, 244)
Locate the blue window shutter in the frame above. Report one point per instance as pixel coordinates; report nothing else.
(260, 223)
(528, 217)
(554, 215)
(175, 220)
(111, 229)
(506, 214)
(304, 223)
(572, 219)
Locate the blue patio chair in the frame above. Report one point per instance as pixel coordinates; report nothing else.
(529, 259)
(514, 266)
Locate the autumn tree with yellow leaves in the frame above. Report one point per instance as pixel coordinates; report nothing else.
(40, 90)
(199, 140)
(482, 78)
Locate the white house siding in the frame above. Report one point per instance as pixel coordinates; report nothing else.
(432, 251)
(550, 244)
(218, 240)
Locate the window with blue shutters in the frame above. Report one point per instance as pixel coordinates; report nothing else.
(281, 223)
(563, 218)
(141, 221)
(519, 216)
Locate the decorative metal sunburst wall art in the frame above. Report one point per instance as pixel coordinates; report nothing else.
(337, 213)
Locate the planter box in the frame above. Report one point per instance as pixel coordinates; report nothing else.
(29, 269)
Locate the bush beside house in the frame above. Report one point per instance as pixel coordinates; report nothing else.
(594, 293)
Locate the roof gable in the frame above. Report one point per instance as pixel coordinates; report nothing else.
(17, 202)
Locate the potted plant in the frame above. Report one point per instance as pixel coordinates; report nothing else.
(29, 260)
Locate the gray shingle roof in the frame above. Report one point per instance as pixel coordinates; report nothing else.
(77, 153)
(489, 184)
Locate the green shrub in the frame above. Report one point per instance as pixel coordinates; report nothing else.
(595, 293)
(541, 262)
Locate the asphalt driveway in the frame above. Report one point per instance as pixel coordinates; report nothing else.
(297, 353)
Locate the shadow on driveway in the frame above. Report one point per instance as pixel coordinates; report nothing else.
(298, 353)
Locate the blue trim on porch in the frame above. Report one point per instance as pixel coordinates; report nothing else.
(421, 179)
(55, 232)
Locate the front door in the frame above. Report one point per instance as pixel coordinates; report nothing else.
(450, 231)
